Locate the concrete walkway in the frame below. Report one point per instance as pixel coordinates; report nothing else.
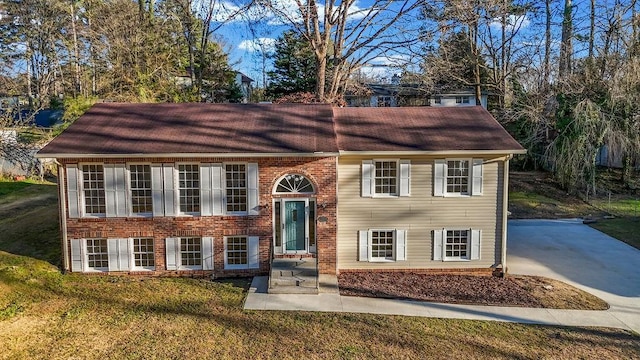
(625, 304)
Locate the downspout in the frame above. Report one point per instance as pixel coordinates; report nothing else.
(505, 206)
(63, 217)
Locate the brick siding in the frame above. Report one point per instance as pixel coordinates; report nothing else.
(321, 171)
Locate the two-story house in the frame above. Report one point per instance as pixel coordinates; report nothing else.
(220, 189)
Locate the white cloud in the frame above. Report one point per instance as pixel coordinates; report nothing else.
(514, 22)
(256, 45)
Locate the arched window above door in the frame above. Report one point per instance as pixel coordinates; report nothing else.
(294, 184)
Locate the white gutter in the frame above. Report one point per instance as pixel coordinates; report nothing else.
(188, 155)
(63, 217)
(437, 152)
(505, 206)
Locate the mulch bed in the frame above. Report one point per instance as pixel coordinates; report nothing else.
(461, 289)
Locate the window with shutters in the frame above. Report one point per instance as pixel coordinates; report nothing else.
(237, 252)
(143, 254)
(457, 244)
(189, 188)
(97, 255)
(382, 244)
(236, 188)
(458, 176)
(93, 189)
(191, 252)
(386, 177)
(141, 198)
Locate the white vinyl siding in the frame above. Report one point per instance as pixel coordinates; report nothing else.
(419, 214)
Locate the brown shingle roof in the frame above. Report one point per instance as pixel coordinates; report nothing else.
(421, 129)
(114, 129)
(122, 128)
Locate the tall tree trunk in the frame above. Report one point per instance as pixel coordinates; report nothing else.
(547, 44)
(76, 54)
(566, 48)
(503, 57)
(592, 28)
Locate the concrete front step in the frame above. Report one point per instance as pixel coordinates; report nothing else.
(293, 276)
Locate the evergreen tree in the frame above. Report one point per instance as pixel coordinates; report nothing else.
(294, 67)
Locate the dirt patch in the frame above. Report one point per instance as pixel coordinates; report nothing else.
(524, 291)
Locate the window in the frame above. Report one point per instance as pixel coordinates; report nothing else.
(457, 245)
(458, 177)
(462, 99)
(190, 252)
(97, 255)
(189, 187)
(143, 255)
(236, 187)
(437, 100)
(385, 101)
(386, 177)
(382, 245)
(141, 199)
(237, 252)
(93, 187)
(294, 184)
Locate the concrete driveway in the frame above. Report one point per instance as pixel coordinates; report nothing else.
(575, 253)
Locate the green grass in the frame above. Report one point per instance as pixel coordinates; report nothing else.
(44, 314)
(626, 229)
(47, 315)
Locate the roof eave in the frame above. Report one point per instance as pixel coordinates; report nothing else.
(435, 152)
(183, 155)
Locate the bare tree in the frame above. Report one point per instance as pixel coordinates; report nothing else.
(347, 36)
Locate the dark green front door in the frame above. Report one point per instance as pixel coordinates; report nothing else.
(294, 225)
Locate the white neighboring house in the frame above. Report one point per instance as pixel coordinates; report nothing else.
(244, 82)
(457, 98)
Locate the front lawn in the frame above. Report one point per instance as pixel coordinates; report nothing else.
(47, 315)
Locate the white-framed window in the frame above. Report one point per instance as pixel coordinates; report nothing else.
(97, 256)
(189, 188)
(189, 253)
(462, 99)
(93, 189)
(385, 101)
(236, 188)
(140, 189)
(456, 244)
(437, 100)
(143, 253)
(237, 252)
(294, 184)
(241, 252)
(382, 245)
(386, 178)
(458, 177)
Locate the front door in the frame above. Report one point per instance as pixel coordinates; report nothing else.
(295, 225)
